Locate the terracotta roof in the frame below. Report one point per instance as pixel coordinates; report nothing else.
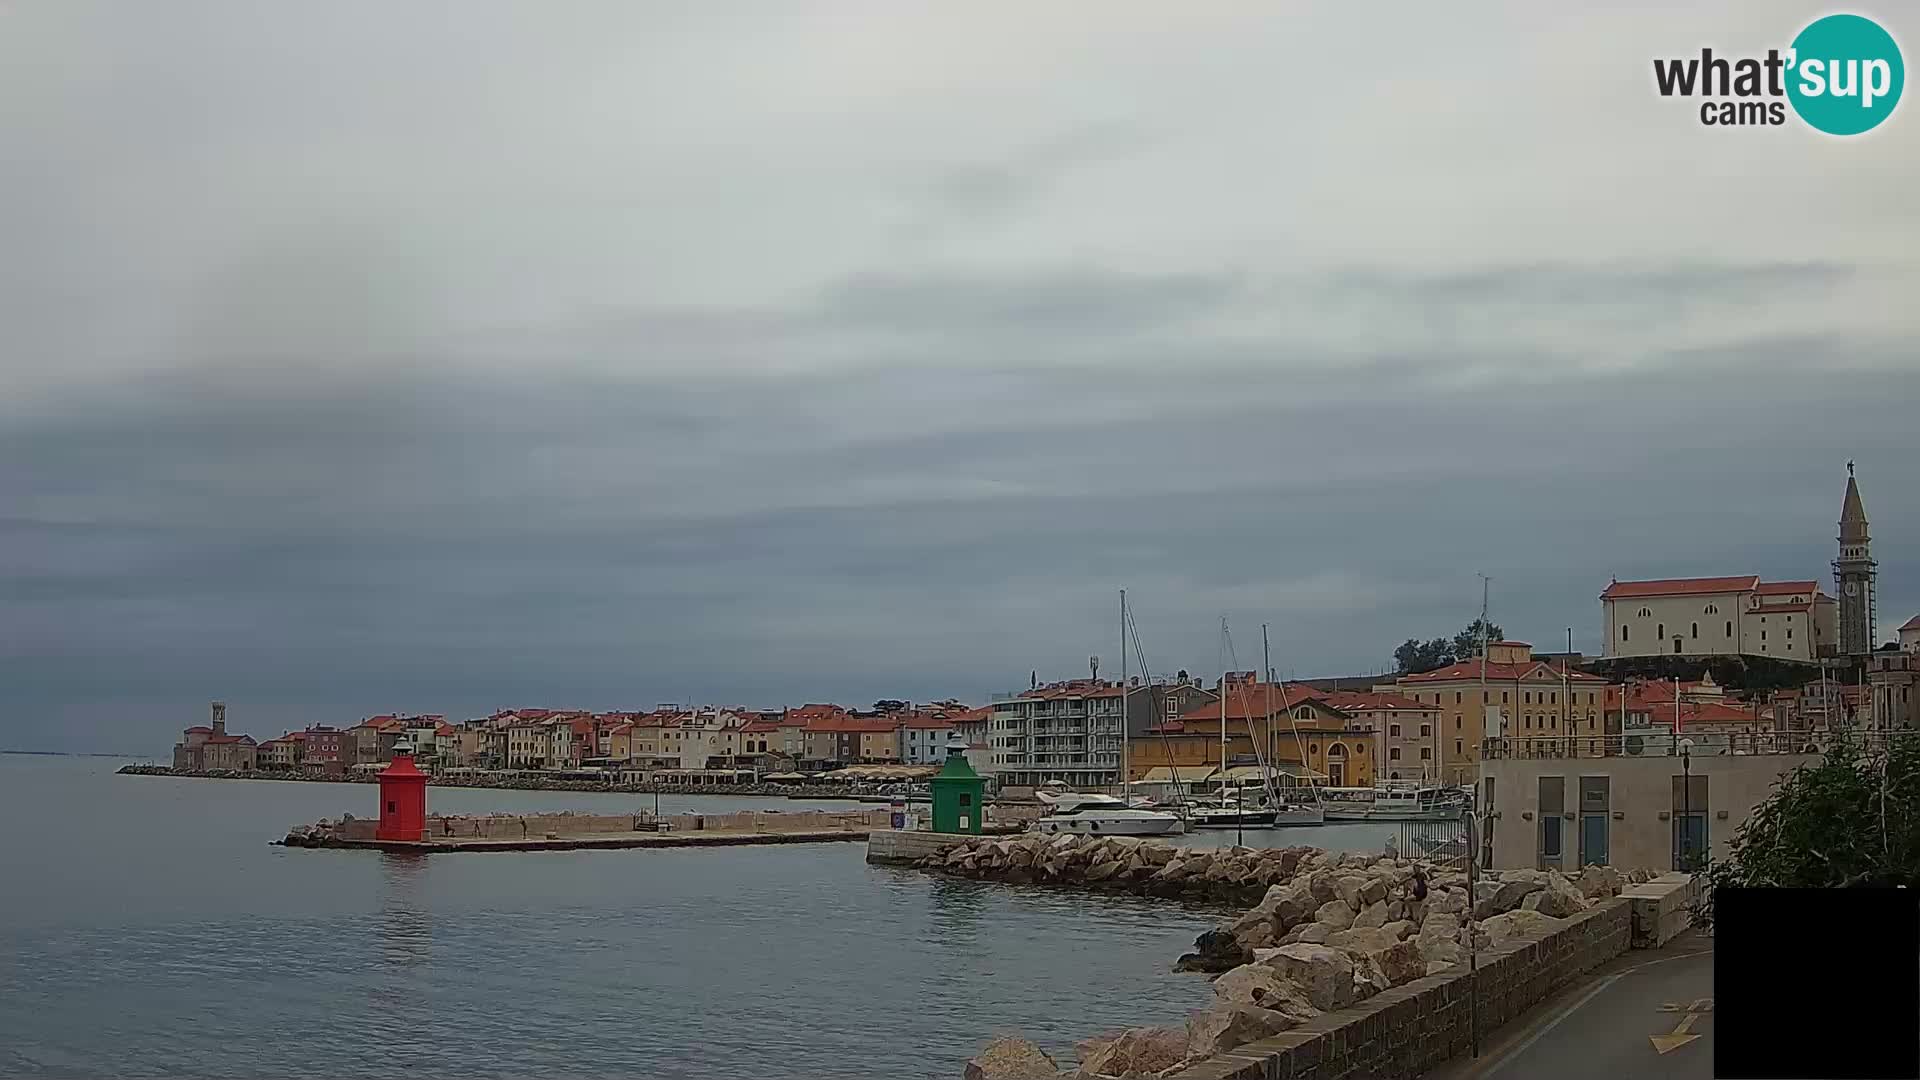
(1469, 670)
(1077, 688)
(1364, 700)
(1911, 624)
(853, 725)
(925, 722)
(199, 729)
(1784, 588)
(1252, 701)
(1681, 586)
(759, 727)
(1528, 645)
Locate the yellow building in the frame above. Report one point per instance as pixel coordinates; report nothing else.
(1282, 725)
(1519, 697)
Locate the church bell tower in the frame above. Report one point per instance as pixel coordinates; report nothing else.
(1853, 575)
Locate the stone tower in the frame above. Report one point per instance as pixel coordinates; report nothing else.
(1853, 574)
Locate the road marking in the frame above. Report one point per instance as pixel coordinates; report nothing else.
(1680, 1036)
(1500, 1062)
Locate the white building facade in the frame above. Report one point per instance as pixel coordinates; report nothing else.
(1720, 616)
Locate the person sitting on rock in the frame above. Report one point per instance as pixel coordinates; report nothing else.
(1418, 885)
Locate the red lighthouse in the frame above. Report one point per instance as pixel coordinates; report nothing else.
(403, 797)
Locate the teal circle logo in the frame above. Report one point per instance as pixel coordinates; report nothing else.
(1846, 74)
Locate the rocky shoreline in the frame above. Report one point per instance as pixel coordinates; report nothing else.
(772, 791)
(1324, 932)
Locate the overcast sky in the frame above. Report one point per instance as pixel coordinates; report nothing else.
(442, 357)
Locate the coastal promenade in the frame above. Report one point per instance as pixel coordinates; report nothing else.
(521, 782)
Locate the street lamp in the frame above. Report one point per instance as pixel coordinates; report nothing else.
(1471, 834)
(1686, 803)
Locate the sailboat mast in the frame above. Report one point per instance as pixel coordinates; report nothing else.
(1223, 710)
(1126, 776)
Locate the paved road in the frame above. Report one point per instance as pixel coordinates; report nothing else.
(1605, 1029)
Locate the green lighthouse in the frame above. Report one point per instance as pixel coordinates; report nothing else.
(958, 793)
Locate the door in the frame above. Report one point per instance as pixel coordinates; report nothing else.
(1593, 839)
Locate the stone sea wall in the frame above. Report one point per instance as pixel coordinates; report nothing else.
(1325, 934)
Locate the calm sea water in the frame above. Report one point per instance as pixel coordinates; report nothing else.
(147, 929)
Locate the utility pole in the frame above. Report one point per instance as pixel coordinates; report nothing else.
(1566, 693)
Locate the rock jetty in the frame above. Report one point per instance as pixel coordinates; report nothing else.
(1326, 932)
(1125, 864)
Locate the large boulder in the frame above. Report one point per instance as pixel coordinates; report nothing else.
(1374, 915)
(1449, 901)
(1009, 1058)
(1142, 1051)
(1368, 978)
(1375, 890)
(1313, 933)
(1221, 1028)
(1440, 924)
(1264, 986)
(1505, 897)
(1559, 899)
(1402, 962)
(1444, 950)
(1400, 928)
(1348, 889)
(1335, 913)
(1501, 928)
(1214, 951)
(1253, 932)
(1361, 939)
(1321, 885)
(1597, 882)
(1324, 974)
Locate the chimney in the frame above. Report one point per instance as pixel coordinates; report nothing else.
(219, 718)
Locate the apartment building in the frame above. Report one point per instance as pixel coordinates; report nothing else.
(1506, 694)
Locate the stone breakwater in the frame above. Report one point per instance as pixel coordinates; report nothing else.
(1326, 933)
(479, 830)
(823, 791)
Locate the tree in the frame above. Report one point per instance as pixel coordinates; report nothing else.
(1853, 820)
(1466, 643)
(889, 705)
(1415, 656)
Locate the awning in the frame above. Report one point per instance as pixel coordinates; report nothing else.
(1285, 770)
(1172, 774)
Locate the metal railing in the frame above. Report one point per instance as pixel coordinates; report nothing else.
(1667, 744)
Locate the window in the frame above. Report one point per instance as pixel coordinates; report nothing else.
(1457, 751)
(1528, 697)
(1623, 633)
(1763, 635)
(1696, 629)
(1426, 730)
(1729, 628)
(1660, 630)
(1712, 609)
(1503, 697)
(1393, 730)
(1789, 633)
(1646, 613)
(1393, 753)
(1553, 698)
(1456, 698)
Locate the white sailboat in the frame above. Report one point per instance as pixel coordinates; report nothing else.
(1104, 815)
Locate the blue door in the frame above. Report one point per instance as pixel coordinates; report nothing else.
(1593, 840)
